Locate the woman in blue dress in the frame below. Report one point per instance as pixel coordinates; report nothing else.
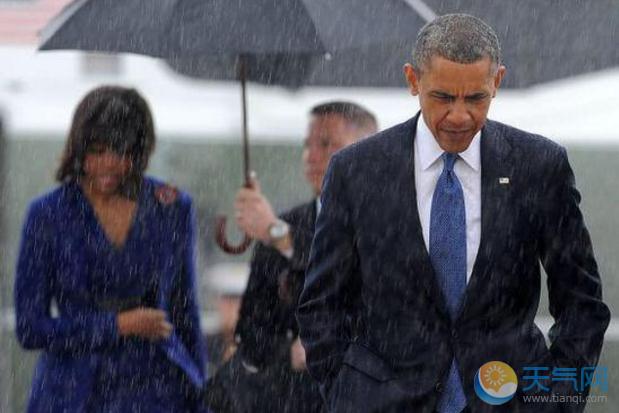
(105, 282)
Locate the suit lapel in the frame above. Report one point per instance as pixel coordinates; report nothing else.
(496, 171)
(414, 253)
(496, 165)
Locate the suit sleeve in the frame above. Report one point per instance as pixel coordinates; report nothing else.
(185, 309)
(302, 235)
(263, 316)
(86, 330)
(574, 285)
(325, 301)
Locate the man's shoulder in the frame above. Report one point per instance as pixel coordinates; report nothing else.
(379, 144)
(521, 139)
(533, 155)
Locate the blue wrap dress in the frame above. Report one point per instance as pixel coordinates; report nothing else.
(71, 282)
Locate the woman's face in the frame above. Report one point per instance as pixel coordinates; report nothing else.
(105, 170)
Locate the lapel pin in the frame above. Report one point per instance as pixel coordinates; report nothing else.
(504, 180)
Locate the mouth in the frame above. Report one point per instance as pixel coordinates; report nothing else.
(457, 134)
(456, 131)
(108, 180)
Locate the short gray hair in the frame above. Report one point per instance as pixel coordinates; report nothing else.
(461, 38)
(355, 115)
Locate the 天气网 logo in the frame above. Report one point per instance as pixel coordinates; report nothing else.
(496, 383)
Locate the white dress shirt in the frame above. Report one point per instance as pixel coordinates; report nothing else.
(428, 168)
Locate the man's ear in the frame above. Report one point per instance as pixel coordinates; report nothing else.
(412, 79)
(498, 78)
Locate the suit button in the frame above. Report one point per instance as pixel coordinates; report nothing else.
(438, 387)
(454, 335)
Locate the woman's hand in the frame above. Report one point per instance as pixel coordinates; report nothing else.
(148, 323)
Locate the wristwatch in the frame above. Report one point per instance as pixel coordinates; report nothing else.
(278, 231)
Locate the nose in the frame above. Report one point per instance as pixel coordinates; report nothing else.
(109, 159)
(459, 115)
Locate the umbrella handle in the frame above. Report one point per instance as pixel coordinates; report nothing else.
(220, 221)
(222, 241)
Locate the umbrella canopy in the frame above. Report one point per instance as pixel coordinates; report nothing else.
(283, 42)
(541, 41)
(228, 28)
(547, 40)
(368, 66)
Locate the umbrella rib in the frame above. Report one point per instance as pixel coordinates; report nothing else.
(61, 18)
(322, 41)
(422, 9)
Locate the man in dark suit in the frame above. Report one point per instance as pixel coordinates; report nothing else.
(425, 261)
(269, 368)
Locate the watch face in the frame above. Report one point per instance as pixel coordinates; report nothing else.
(278, 230)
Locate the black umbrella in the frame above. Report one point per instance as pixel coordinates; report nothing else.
(547, 40)
(541, 41)
(267, 41)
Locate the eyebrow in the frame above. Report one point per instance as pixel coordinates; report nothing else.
(445, 95)
(477, 95)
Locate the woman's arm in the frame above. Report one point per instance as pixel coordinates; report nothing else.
(84, 331)
(185, 309)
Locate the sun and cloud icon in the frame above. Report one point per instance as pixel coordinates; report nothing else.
(496, 383)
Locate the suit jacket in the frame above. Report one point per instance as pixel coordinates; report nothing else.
(267, 317)
(266, 329)
(66, 262)
(369, 264)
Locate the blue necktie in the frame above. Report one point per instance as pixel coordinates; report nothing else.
(448, 256)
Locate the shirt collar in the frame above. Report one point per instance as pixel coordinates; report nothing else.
(430, 151)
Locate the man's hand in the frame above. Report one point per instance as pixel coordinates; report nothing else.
(254, 214)
(297, 356)
(148, 323)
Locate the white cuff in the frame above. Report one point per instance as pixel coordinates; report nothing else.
(288, 252)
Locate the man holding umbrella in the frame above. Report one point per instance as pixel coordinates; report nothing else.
(424, 275)
(268, 372)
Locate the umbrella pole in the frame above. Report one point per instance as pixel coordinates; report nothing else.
(243, 79)
(220, 234)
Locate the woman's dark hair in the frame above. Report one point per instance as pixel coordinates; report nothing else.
(113, 117)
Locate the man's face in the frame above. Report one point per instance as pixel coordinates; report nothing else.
(454, 98)
(326, 135)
